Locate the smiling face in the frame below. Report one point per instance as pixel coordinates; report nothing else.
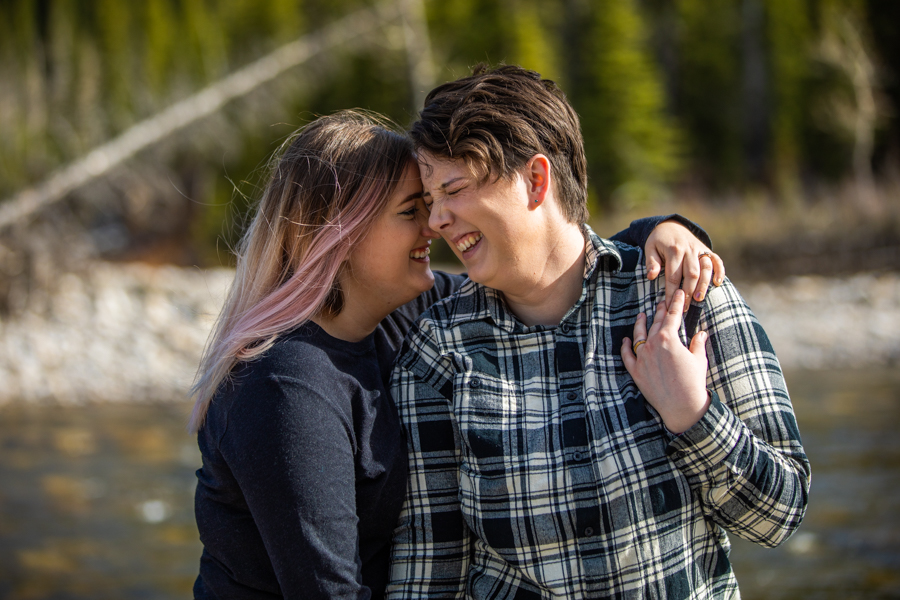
(390, 266)
(488, 225)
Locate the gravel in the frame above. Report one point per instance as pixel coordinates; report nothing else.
(134, 333)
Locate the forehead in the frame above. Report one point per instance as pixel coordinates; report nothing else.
(437, 171)
(409, 186)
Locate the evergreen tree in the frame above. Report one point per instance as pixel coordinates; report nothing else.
(790, 38)
(632, 146)
(708, 89)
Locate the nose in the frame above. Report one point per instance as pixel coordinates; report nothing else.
(439, 218)
(426, 231)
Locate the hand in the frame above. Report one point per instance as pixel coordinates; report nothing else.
(673, 246)
(671, 377)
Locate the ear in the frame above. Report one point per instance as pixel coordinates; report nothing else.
(537, 178)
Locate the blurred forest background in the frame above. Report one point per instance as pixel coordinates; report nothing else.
(134, 137)
(772, 123)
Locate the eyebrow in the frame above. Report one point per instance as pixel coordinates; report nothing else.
(444, 185)
(412, 197)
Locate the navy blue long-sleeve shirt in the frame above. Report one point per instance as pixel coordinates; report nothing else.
(304, 464)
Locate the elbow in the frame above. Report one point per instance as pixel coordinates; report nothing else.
(792, 512)
(770, 513)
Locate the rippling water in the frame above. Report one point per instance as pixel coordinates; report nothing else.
(96, 502)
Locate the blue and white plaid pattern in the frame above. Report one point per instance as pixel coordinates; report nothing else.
(537, 469)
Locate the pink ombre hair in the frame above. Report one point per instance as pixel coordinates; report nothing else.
(332, 180)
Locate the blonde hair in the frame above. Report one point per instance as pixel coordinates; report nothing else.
(331, 182)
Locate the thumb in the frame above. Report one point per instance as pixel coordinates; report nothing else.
(698, 345)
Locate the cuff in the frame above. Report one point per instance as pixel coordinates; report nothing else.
(698, 231)
(714, 441)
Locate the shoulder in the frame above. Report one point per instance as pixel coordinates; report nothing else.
(725, 309)
(631, 258)
(613, 257)
(445, 284)
(292, 383)
(292, 350)
(440, 333)
(470, 302)
(621, 267)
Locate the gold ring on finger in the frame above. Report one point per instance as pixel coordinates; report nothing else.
(702, 254)
(637, 345)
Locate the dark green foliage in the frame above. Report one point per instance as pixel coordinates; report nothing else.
(723, 94)
(616, 87)
(708, 85)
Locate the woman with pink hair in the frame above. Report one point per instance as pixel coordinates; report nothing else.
(304, 462)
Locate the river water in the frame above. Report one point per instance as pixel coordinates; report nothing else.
(96, 501)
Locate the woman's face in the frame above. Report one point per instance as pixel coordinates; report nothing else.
(390, 266)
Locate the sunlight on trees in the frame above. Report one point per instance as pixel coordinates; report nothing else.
(716, 95)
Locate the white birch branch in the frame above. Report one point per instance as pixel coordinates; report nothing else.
(204, 103)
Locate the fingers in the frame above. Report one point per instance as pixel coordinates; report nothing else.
(673, 279)
(718, 269)
(640, 327)
(698, 273)
(670, 317)
(691, 271)
(628, 357)
(706, 273)
(654, 264)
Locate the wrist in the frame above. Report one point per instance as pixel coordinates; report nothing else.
(687, 415)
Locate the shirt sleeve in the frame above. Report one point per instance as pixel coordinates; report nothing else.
(744, 457)
(431, 545)
(640, 229)
(291, 452)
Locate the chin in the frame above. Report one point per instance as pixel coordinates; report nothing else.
(478, 277)
(427, 282)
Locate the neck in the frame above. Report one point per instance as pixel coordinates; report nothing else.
(556, 284)
(353, 323)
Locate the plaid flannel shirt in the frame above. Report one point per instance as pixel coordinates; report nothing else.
(537, 469)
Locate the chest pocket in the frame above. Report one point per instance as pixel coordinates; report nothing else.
(485, 407)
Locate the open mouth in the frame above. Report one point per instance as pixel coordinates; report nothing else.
(420, 253)
(466, 243)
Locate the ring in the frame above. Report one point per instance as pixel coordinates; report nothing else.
(637, 345)
(702, 254)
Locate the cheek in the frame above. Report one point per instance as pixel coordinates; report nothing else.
(389, 249)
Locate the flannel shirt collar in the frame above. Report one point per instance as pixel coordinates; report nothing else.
(494, 307)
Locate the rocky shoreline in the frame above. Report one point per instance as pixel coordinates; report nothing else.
(134, 333)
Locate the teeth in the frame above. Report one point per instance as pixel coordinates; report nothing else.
(419, 253)
(467, 242)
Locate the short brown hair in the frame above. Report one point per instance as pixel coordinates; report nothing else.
(497, 119)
